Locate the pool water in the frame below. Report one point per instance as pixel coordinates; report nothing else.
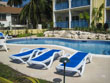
(92, 46)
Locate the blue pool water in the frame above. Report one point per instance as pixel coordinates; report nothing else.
(92, 46)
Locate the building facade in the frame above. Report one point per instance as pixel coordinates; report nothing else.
(78, 13)
(9, 16)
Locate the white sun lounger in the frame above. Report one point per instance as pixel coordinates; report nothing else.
(76, 64)
(28, 53)
(3, 41)
(48, 56)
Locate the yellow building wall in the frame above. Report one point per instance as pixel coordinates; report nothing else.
(97, 4)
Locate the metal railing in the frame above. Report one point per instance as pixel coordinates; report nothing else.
(79, 23)
(64, 24)
(63, 5)
(78, 3)
(108, 2)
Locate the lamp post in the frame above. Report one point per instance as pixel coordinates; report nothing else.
(64, 60)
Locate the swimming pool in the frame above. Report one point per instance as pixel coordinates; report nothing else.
(92, 46)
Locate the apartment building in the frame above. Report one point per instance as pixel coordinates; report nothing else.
(107, 11)
(67, 13)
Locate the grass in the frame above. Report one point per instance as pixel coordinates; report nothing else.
(15, 76)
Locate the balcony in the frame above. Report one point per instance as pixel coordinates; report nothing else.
(62, 5)
(108, 2)
(78, 3)
(62, 24)
(79, 23)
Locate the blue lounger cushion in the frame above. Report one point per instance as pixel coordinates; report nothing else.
(27, 52)
(46, 55)
(76, 59)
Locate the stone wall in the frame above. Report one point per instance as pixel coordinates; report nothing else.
(77, 35)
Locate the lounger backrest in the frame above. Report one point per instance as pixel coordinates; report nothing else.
(76, 59)
(28, 52)
(46, 55)
(1, 34)
(78, 56)
(24, 53)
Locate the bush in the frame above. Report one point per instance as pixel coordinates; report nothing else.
(99, 26)
(106, 26)
(40, 34)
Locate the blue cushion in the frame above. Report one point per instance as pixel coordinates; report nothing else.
(27, 52)
(46, 55)
(76, 59)
(23, 53)
(1, 34)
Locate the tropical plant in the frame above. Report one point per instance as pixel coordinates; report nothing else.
(97, 15)
(85, 16)
(36, 11)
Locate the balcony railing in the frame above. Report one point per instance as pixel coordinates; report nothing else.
(108, 2)
(78, 3)
(64, 24)
(63, 5)
(79, 23)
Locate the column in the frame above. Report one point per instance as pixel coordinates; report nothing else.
(69, 14)
(54, 19)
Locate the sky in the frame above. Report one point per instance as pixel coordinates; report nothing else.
(24, 2)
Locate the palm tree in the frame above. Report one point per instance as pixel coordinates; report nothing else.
(15, 2)
(33, 11)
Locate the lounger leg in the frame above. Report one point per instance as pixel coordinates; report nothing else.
(82, 68)
(5, 47)
(89, 58)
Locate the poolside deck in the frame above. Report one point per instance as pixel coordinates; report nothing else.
(96, 72)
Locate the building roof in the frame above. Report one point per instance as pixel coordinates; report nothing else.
(11, 10)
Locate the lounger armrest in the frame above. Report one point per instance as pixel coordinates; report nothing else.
(24, 49)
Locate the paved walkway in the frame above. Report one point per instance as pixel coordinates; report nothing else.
(96, 72)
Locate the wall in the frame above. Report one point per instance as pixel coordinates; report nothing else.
(22, 31)
(97, 4)
(8, 20)
(8, 23)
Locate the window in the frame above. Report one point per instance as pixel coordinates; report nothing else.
(2, 17)
(16, 20)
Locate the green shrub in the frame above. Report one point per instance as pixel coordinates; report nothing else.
(24, 35)
(40, 34)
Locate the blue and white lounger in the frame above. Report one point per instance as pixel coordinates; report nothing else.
(2, 36)
(28, 53)
(76, 64)
(48, 56)
(3, 41)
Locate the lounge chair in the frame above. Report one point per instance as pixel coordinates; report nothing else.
(2, 36)
(26, 53)
(3, 41)
(76, 64)
(46, 57)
